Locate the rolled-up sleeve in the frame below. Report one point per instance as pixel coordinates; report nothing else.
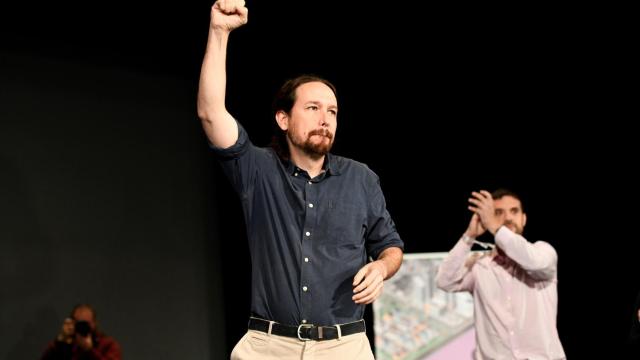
(382, 232)
(538, 259)
(237, 161)
(453, 274)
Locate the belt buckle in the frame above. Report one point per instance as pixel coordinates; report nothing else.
(300, 327)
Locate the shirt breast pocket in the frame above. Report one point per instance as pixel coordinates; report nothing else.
(345, 223)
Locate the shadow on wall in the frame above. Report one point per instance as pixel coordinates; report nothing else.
(28, 343)
(105, 198)
(25, 270)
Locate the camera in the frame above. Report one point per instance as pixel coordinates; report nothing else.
(82, 328)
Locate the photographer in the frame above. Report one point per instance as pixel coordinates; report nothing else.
(80, 339)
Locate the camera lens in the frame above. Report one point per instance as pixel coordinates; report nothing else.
(82, 328)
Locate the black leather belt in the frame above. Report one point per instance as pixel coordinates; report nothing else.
(308, 331)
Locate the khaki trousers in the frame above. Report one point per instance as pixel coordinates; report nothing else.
(258, 345)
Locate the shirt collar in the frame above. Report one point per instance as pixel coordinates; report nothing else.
(332, 165)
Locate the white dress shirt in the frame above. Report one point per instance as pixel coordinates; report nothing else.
(515, 296)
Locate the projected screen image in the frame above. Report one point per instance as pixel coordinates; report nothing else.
(413, 319)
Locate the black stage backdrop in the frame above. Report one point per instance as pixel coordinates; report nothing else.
(109, 194)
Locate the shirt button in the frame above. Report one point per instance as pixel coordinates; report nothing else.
(304, 321)
(306, 259)
(295, 174)
(304, 288)
(307, 233)
(309, 182)
(310, 205)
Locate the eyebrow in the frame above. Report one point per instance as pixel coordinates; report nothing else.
(315, 102)
(509, 209)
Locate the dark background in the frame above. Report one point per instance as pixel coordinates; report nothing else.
(109, 195)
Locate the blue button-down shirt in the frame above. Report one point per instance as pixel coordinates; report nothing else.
(307, 237)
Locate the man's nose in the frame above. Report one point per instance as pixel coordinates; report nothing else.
(323, 120)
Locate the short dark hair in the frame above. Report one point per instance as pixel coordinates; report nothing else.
(502, 192)
(284, 100)
(84, 306)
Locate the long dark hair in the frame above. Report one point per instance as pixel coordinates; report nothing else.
(283, 101)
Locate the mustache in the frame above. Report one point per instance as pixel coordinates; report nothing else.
(509, 223)
(321, 132)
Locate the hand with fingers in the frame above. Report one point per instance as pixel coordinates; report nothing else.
(368, 282)
(228, 15)
(475, 227)
(482, 205)
(84, 342)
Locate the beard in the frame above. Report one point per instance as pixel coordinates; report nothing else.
(315, 150)
(514, 227)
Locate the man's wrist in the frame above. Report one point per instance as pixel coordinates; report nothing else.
(383, 268)
(468, 239)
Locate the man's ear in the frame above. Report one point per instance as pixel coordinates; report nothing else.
(283, 120)
(524, 220)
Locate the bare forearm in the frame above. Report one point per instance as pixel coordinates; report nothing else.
(392, 259)
(220, 127)
(213, 77)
